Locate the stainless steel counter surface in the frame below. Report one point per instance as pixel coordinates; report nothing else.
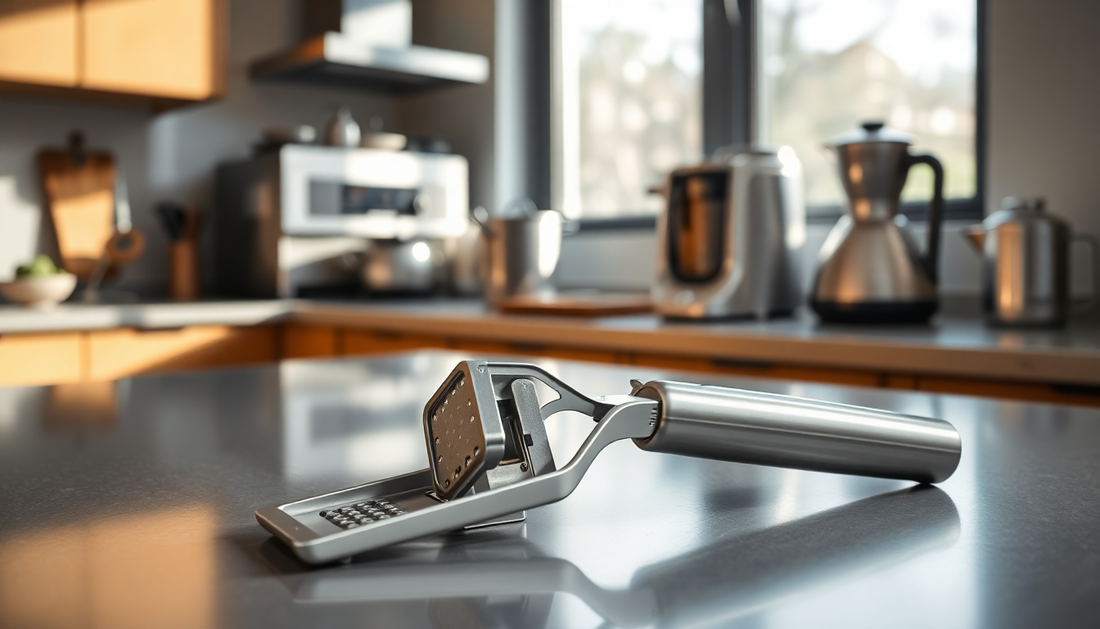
(130, 504)
(75, 316)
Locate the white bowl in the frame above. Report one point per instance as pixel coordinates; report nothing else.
(43, 292)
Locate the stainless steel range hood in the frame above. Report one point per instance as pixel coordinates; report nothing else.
(373, 51)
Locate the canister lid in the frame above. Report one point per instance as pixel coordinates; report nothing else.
(871, 131)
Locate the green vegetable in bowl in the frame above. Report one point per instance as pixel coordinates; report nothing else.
(41, 266)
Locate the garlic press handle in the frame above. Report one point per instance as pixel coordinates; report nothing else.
(768, 429)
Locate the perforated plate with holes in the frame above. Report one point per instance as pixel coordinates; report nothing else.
(456, 436)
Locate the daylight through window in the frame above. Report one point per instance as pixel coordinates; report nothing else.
(629, 85)
(829, 65)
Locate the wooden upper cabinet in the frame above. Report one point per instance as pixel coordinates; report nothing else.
(164, 48)
(38, 42)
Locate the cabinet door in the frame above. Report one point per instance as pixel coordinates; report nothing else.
(299, 340)
(362, 342)
(153, 47)
(38, 41)
(33, 359)
(126, 352)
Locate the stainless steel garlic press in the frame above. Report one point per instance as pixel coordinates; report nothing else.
(491, 460)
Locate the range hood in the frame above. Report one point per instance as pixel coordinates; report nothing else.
(372, 51)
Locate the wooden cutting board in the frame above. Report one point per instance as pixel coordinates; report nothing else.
(80, 191)
(578, 305)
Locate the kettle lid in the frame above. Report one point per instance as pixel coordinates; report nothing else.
(871, 131)
(1022, 209)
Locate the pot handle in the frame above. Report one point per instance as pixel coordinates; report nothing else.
(1090, 304)
(935, 214)
(480, 216)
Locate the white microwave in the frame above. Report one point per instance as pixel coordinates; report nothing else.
(286, 217)
(326, 191)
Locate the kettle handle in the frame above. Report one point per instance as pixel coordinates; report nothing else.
(935, 214)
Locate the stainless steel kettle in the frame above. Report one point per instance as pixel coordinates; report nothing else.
(1025, 264)
(870, 268)
(728, 240)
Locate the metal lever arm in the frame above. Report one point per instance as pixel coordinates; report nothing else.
(767, 429)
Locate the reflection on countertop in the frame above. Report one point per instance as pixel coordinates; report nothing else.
(139, 513)
(505, 580)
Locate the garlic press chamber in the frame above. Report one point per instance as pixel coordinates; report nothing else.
(491, 460)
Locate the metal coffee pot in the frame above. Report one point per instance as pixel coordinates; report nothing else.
(1025, 264)
(871, 269)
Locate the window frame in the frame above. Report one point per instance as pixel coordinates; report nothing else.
(729, 111)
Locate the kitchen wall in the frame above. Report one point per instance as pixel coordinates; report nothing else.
(461, 115)
(1044, 110)
(173, 155)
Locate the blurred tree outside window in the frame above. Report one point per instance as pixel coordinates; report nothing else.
(628, 92)
(629, 85)
(828, 65)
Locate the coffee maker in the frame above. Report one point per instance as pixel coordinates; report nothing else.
(870, 269)
(727, 242)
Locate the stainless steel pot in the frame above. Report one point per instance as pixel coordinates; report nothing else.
(1025, 264)
(523, 252)
(394, 266)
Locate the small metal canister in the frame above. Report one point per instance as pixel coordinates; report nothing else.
(1025, 264)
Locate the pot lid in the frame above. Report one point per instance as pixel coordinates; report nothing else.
(871, 131)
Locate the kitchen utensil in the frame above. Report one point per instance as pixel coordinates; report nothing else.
(124, 246)
(523, 250)
(870, 269)
(728, 239)
(43, 292)
(395, 266)
(297, 134)
(79, 187)
(276, 137)
(182, 225)
(1025, 264)
(384, 141)
(342, 130)
(428, 144)
(172, 216)
(490, 458)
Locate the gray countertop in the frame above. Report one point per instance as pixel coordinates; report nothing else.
(956, 343)
(130, 504)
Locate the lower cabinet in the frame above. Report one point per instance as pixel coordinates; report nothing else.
(362, 342)
(33, 359)
(299, 340)
(103, 355)
(40, 359)
(125, 352)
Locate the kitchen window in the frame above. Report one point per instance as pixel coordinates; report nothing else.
(642, 86)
